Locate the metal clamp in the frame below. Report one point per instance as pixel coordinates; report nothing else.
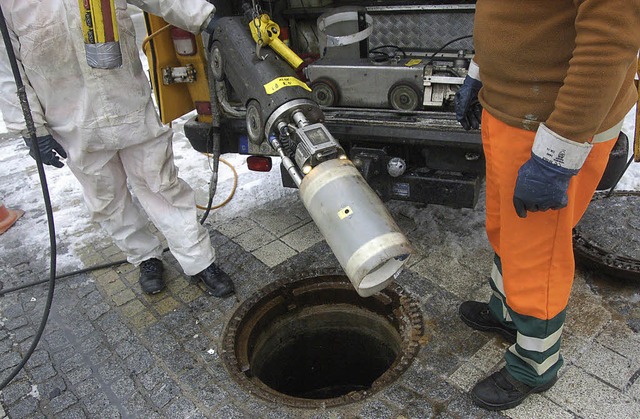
(344, 14)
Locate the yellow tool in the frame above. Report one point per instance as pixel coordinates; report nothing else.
(265, 32)
(100, 29)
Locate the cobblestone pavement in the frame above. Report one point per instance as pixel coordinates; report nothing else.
(110, 351)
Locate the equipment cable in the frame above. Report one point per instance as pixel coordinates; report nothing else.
(24, 102)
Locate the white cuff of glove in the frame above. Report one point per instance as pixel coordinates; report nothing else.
(474, 71)
(555, 149)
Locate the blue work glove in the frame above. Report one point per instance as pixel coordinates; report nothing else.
(543, 180)
(48, 149)
(468, 108)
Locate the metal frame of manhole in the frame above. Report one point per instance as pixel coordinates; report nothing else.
(406, 311)
(594, 256)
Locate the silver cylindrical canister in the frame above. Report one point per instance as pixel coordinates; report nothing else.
(356, 225)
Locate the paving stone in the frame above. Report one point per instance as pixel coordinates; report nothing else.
(111, 370)
(73, 412)
(139, 361)
(52, 388)
(23, 408)
(303, 238)
(15, 323)
(42, 373)
(229, 412)
(254, 239)
(79, 375)
(123, 388)
(152, 377)
(236, 227)
(586, 396)
(86, 387)
(163, 393)
(62, 402)
(274, 253)
(96, 405)
(123, 297)
(419, 409)
(537, 406)
(14, 391)
(608, 365)
(376, 410)
(97, 310)
(183, 408)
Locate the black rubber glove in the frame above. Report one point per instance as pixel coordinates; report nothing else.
(468, 108)
(50, 150)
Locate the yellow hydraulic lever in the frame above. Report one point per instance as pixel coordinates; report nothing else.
(265, 32)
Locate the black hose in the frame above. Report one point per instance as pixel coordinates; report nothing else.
(26, 110)
(446, 45)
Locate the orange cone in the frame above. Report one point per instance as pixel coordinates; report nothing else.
(8, 217)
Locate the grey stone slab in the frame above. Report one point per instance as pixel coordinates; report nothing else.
(303, 237)
(539, 407)
(23, 408)
(235, 227)
(62, 402)
(608, 365)
(255, 238)
(274, 253)
(585, 395)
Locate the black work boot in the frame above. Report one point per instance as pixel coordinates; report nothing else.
(478, 316)
(217, 282)
(501, 391)
(151, 280)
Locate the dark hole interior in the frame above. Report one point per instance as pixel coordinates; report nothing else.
(324, 352)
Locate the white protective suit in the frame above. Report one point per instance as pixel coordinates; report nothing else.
(107, 123)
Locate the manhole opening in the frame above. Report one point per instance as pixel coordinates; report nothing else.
(315, 342)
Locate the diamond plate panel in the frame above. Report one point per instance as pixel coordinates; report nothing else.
(421, 30)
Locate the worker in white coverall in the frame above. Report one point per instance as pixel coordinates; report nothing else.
(103, 121)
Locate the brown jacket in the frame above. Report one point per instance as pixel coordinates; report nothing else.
(568, 63)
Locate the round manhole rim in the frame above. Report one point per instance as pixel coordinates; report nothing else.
(413, 321)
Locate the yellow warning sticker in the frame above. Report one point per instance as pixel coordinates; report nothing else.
(345, 212)
(282, 82)
(413, 62)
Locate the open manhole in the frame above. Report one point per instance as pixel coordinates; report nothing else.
(314, 342)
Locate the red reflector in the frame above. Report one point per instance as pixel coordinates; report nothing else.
(183, 42)
(259, 163)
(203, 108)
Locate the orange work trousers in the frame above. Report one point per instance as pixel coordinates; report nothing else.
(536, 251)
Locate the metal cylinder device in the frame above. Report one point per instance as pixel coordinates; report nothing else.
(100, 29)
(356, 225)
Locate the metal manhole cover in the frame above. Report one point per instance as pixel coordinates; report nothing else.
(314, 342)
(608, 235)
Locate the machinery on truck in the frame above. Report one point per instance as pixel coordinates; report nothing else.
(380, 77)
(372, 83)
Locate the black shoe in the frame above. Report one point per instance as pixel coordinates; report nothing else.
(217, 282)
(477, 316)
(151, 280)
(501, 391)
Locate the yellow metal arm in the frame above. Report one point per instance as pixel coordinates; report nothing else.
(265, 32)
